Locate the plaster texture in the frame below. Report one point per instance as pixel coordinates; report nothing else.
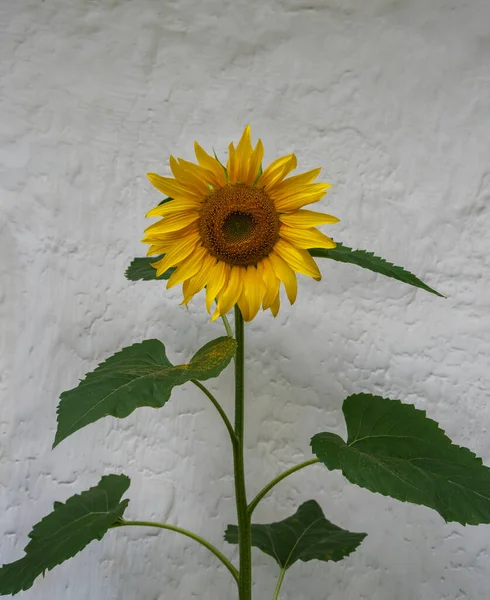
(391, 98)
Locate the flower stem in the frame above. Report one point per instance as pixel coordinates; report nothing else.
(226, 323)
(187, 533)
(279, 583)
(244, 529)
(252, 506)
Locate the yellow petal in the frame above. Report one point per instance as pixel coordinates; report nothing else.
(297, 181)
(185, 292)
(196, 283)
(188, 267)
(218, 278)
(243, 153)
(277, 170)
(310, 194)
(310, 189)
(231, 292)
(232, 164)
(155, 249)
(175, 167)
(306, 238)
(172, 223)
(299, 260)
(198, 176)
(171, 187)
(167, 240)
(275, 305)
(252, 293)
(190, 175)
(211, 164)
(284, 272)
(281, 173)
(305, 219)
(185, 177)
(275, 165)
(216, 314)
(177, 254)
(255, 160)
(271, 282)
(244, 306)
(174, 206)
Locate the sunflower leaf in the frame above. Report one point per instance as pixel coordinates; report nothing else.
(66, 531)
(394, 449)
(305, 536)
(140, 269)
(165, 200)
(139, 375)
(368, 260)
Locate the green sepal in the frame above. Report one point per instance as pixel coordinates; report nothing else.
(259, 174)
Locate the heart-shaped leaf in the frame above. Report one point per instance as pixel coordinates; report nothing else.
(368, 260)
(139, 375)
(305, 536)
(396, 450)
(66, 531)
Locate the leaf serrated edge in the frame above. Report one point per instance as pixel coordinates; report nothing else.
(340, 251)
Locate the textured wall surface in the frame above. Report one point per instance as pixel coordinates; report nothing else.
(391, 98)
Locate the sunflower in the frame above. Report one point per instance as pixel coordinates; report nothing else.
(237, 231)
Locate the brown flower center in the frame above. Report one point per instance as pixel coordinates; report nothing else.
(239, 224)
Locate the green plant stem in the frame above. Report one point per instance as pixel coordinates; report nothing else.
(227, 325)
(252, 506)
(244, 528)
(189, 534)
(279, 583)
(219, 408)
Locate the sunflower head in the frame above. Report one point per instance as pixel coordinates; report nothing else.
(239, 224)
(237, 231)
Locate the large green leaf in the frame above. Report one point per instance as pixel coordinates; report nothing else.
(368, 260)
(67, 530)
(305, 536)
(139, 375)
(140, 269)
(395, 450)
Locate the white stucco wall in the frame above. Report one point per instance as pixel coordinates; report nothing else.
(391, 98)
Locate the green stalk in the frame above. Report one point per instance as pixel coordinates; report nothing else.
(226, 323)
(244, 528)
(187, 533)
(279, 584)
(218, 407)
(276, 480)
